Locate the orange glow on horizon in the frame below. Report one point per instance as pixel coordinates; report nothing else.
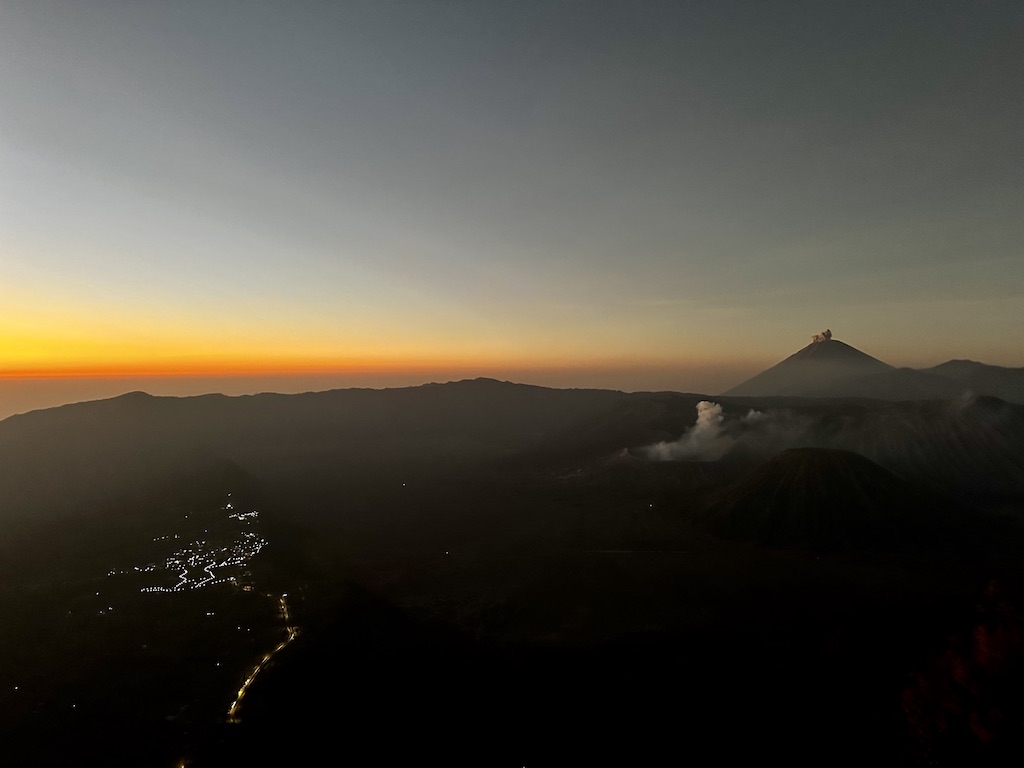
(220, 369)
(471, 366)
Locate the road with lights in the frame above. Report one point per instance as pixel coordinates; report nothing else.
(291, 633)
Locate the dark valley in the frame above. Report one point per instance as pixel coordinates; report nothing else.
(488, 573)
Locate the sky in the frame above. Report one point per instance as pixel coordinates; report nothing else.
(247, 196)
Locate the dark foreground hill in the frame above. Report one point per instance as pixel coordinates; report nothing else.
(484, 573)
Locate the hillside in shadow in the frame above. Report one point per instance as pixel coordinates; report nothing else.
(492, 573)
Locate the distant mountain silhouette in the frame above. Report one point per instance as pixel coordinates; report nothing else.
(353, 445)
(71, 460)
(831, 368)
(993, 380)
(827, 499)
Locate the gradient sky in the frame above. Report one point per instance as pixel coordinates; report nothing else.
(640, 195)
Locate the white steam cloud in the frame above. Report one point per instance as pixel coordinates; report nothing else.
(703, 441)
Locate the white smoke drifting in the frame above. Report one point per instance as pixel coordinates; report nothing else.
(703, 441)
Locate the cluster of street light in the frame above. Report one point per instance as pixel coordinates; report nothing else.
(195, 564)
(201, 563)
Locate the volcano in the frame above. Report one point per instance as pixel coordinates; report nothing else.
(828, 367)
(827, 499)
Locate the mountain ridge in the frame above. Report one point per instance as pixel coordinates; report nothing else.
(830, 368)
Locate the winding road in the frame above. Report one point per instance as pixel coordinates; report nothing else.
(292, 633)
